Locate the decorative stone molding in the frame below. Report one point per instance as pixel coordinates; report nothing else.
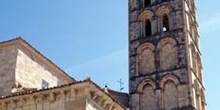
(165, 9)
(86, 90)
(146, 14)
(168, 77)
(145, 45)
(166, 40)
(145, 82)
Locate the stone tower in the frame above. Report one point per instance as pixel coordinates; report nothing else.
(165, 70)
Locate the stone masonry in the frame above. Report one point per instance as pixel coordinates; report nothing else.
(7, 69)
(83, 95)
(24, 67)
(165, 70)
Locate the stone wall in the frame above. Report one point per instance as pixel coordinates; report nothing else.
(21, 66)
(195, 64)
(7, 69)
(165, 64)
(30, 71)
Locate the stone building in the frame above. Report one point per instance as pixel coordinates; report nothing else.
(30, 81)
(22, 66)
(165, 69)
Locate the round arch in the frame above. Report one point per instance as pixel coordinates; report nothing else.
(144, 83)
(164, 9)
(147, 14)
(144, 46)
(166, 40)
(167, 78)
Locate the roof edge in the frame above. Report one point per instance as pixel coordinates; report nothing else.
(29, 46)
(88, 80)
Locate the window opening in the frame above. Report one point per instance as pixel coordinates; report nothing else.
(165, 23)
(148, 28)
(147, 2)
(44, 84)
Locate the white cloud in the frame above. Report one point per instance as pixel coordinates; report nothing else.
(106, 69)
(101, 59)
(210, 24)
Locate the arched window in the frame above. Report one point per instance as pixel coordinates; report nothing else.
(148, 28)
(170, 95)
(147, 95)
(203, 100)
(168, 53)
(198, 95)
(147, 2)
(147, 98)
(146, 58)
(199, 67)
(165, 23)
(194, 59)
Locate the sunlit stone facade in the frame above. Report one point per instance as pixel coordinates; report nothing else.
(165, 69)
(30, 81)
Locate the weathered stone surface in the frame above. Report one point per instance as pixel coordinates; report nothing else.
(7, 69)
(176, 56)
(80, 96)
(30, 72)
(23, 67)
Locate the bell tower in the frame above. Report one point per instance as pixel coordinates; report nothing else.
(165, 69)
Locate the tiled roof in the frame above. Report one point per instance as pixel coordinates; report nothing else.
(116, 92)
(122, 97)
(106, 93)
(32, 91)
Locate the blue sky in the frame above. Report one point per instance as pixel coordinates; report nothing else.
(89, 38)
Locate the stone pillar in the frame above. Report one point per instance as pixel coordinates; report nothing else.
(158, 98)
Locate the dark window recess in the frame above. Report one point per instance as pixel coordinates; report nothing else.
(44, 84)
(165, 23)
(148, 28)
(147, 2)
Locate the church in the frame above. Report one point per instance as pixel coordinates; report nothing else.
(165, 68)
